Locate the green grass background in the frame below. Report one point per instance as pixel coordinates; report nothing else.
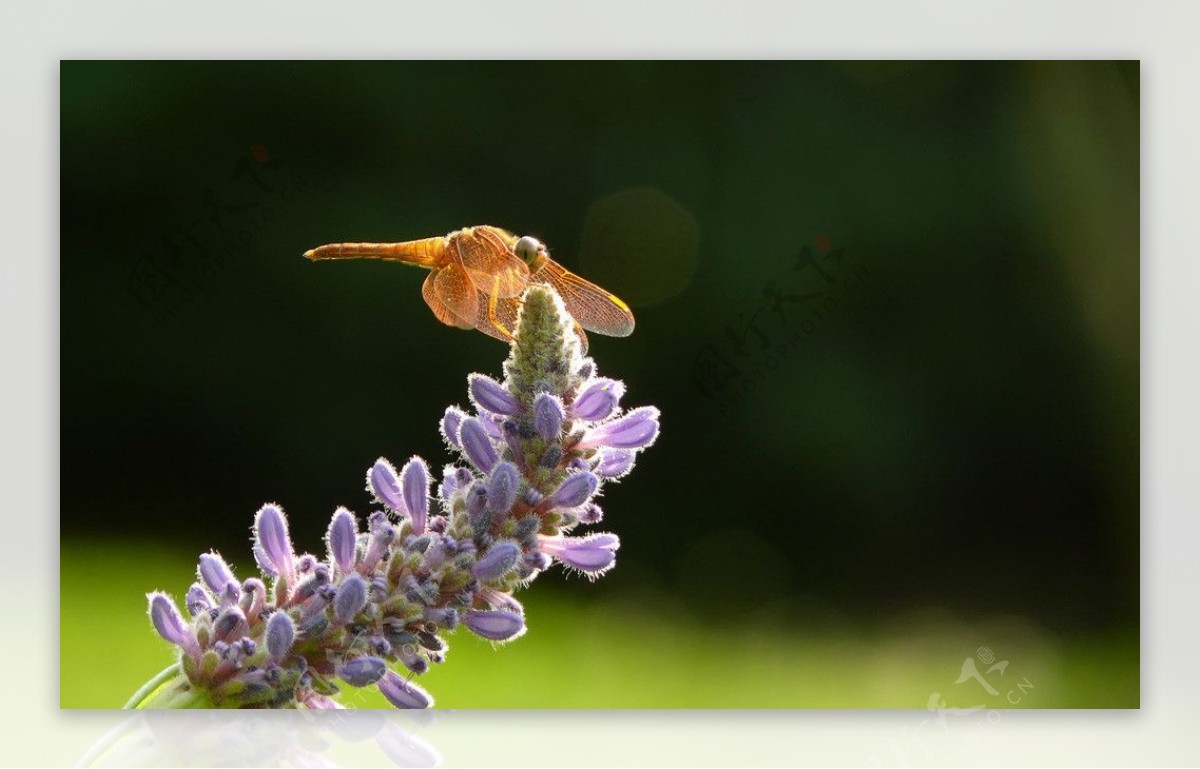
(589, 648)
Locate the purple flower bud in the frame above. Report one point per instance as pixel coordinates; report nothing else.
(476, 444)
(271, 535)
(350, 600)
(502, 487)
(615, 463)
(445, 617)
(451, 422)
(547, 416)
(576, 490)
(403, 694)
(497, 625)
(254, 597)
(170, 624)
(230, 625)
(591, 513)
(598, 399)
(511, 433)
(362, 671)
(454, 479)
(214, 572)
(382, 534)
(342, 538)
(490, 395)
(281, 634)
(414, 482)
(197, 600)
(264, 563)
(593, 555)
(635, 430)
(537, 561)
(497, 561)
(499, 600)
(412, 659)
(383, 484)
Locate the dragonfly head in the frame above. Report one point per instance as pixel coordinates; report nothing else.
(529, 248)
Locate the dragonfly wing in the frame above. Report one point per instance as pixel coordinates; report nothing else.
(500, 320)
(592, 307)
(451, 296)
(487, 254)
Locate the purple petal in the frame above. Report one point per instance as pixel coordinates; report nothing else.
(497, 561)
(383, 484)
(197, 600)
(342, 538)
(635, 430)
(214, 572)
(362, 671)
(451, 422)
(350, 600)
(476, 444)
(598, 399)
(576, 490)
(230, 625)
(271, 535)
(502, 488)
(615, 463)
(496, 625)
(170, 625)
(593, 555)
(414, 482)
(547, 416)
(281, 634)
(490, 395)
(403, 694)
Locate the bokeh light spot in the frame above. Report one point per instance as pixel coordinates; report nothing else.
(641, 244)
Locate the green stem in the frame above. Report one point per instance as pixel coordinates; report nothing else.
(169, 689)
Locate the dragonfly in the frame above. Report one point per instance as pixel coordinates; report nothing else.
(477, 275)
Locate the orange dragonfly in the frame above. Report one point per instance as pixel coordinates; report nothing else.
(477, 275)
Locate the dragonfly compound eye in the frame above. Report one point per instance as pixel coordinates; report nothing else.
(527, 248)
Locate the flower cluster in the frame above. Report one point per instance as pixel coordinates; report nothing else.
(535, 450)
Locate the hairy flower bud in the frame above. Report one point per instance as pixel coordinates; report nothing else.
(598, 399)
(477, 445)
(384, 485)
(271, 536)
(547, 416)
(450, 424)
(502, 488)
(350, 599)
(403, 694)
(489, 395)
(362, 671)
(341, 539)
(414, 482)
(593, 555)
(170, 625)
(495, 625)
(497, 561)
(281, 634)
(576, 490)
(214, 572)
(635, 430)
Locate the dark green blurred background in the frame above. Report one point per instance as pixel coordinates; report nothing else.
(945, 457)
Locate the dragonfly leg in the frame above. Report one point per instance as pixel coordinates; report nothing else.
(493, 318)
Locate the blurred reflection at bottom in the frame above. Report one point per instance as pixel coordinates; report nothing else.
(266, 738)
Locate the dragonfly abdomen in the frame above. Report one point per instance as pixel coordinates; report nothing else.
(427, 252)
